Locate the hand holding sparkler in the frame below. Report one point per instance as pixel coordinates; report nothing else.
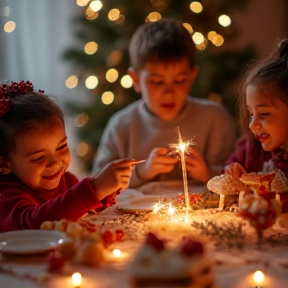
(196, 166)
(157, 162)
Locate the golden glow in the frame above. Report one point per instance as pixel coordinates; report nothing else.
(112, 75)
(196, 7)
(81, 119)
(117, 252)
(9, 26)
(198, 38)
(153, 16)
(171, 210)
(114, 14)
(91, 82)
(211, 35)
(224, 20)
(202, 46)
(96, 5)
(72, 81)
(90, 14)
(82, 149)
(126, 81)
(258, 277)
(120, 20)
(218, 40)
(91, 47)
(114, 58)
(188, 27)
(107, 97)
(82, 3)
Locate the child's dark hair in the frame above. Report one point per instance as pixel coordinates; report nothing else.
(23, 110)
(165, 40)
(269, 74)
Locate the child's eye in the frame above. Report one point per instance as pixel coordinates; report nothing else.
(180, 81)
(264, 115)
(156, 82)
(37, 159)
(62, 147)
(251, 117)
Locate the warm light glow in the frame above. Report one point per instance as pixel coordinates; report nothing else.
(188, 27)
(112, 75)
(171, 210)
(72, 81)
(156, 208)
(91, 47)
(9, 26)
(96, 5)
(198, 38)
(117, 252)
(81, 119)
(218, 40)
(202, 45)
(126, 81)
(82, 3)
(196, 7)
(76, 279)
(154, 16)
(82, 149)
(120, 20)
(258, 277)
(107, 97)
(211, 35)
(5, 11)
(91, 82)
(114, 14)
(90, 14)
(224, 20)
(114, 58)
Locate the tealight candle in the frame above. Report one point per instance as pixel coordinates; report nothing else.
(258, 278)
(76, 280)
(117, 252)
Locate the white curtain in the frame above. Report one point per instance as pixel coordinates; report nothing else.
(33, 50)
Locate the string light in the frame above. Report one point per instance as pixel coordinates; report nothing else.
(154, 16)
(107, 97)
(72, 81)
(196, 7)
(96, 5)
(188, 27)
(82, 3)
(9, 26)
(114, 14)
(82, 149)
(91, 82)
(91, 47)
(112, 75)
(198, 38)
(224, 20)
(81, 119)
(126, 81)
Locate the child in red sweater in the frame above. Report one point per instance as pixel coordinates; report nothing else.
(264, 111)
(34, 157)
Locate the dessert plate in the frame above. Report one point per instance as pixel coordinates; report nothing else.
(30, 241)
(141, 204)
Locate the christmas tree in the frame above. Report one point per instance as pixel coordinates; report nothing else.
(105, 28)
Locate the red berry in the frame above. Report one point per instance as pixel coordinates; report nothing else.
(191, 248)
(119, 235)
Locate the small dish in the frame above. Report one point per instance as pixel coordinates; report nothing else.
(141, 204)
(30, 241)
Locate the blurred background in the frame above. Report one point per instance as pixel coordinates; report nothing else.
(77, 50)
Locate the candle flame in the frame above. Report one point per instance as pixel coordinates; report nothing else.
(76, 279)
(258, 277)
(117, 252)
(171, 209)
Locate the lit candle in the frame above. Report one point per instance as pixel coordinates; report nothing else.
(156, 208)
(116, 252)
(258, 278)
(181, 147)
(76, 280)
(171, 211)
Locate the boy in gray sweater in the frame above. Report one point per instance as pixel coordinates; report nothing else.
(163, 70)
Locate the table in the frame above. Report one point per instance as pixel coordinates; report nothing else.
(234, 267)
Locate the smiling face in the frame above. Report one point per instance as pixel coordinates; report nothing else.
(41, 157)
(164, 86)
(269, 118)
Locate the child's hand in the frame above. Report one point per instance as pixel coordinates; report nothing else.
(197, 167)
(114, 176)
(156, 163)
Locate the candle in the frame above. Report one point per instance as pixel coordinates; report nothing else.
(171, 211)
(258, 278)
(116, 252)
(76, 280)
(182, 147)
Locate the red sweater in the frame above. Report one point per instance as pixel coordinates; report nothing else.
(24, 208)
(251, 156)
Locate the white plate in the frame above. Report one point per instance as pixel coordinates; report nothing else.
(30, 241)
(144, 203)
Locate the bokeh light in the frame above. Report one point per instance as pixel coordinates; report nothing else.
(153, 16)
(114, 58)
(196, 7)
(112, 75)
(211, 35)
(107, 97)
(9, 26)
(81, 119)
(258, 277)
(218, 40)
(91, 47)
(82, 3)
(198, 38)
(188, 27)
(114, 14)
(90, 14)
(224, 20)
(82, 149)
(72, 81)
(91, 82)
(5, 11)
(126, 81)
(96, 5)
(202, 46)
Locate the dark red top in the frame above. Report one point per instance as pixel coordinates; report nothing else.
(24, 208)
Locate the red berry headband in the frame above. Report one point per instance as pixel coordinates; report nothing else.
(12, 89)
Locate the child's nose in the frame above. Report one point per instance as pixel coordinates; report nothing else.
(254, 124)
(54, 162)
(168, 90)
